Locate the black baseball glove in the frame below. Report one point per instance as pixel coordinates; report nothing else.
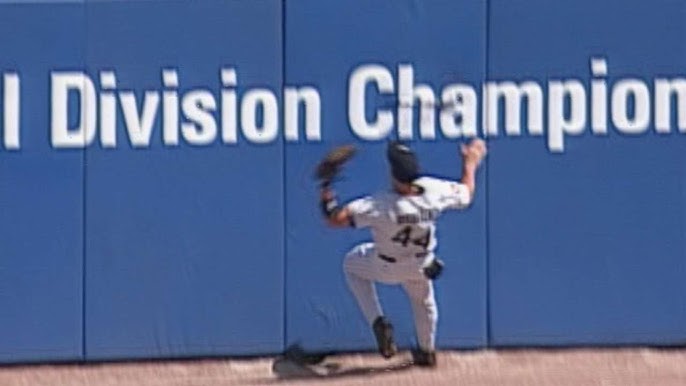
(434, 269)
(330, 166)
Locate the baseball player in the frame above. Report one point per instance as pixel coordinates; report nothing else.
(402, 222)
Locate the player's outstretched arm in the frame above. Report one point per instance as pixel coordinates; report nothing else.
(334, 214)
(472, 155)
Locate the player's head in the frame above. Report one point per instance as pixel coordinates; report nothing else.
(403, 163)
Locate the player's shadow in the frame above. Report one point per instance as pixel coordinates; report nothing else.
(296, 365)
(289, 370)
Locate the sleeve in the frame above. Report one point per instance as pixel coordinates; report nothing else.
(452, 195)
(364, 211)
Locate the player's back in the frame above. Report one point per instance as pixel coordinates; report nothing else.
(404, 226)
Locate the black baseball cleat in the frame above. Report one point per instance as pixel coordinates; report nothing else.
(383, 330)
(424, 358)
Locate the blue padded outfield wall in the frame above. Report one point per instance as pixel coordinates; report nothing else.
(586, 246)
(184, 250)
(157, 159)
(42, 227)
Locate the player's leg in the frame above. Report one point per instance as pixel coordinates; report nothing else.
(421, 295)
(359, 268)
(359, 275)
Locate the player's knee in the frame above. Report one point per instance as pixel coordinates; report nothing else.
(431, 308)
(351, 266)
(433, 314)
(348, 261)
(353, 257)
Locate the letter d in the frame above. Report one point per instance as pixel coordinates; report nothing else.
(82, 135)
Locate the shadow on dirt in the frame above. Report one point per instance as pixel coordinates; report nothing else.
(296, 364)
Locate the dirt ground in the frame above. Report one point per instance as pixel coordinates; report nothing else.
(621, 367)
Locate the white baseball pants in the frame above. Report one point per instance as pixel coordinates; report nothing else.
(363, 268)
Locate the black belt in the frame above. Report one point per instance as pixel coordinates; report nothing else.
(387, 258)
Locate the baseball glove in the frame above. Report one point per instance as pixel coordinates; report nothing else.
(330, 166)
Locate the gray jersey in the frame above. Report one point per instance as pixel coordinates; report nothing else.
(404, 227)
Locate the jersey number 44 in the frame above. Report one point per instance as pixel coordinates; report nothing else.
(405, 236)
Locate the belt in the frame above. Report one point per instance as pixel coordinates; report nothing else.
(387, 258)
(390, 259)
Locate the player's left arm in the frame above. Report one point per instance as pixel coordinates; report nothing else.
(361, 212)
(336, 215)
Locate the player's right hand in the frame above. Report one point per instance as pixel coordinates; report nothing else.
(474, 152)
